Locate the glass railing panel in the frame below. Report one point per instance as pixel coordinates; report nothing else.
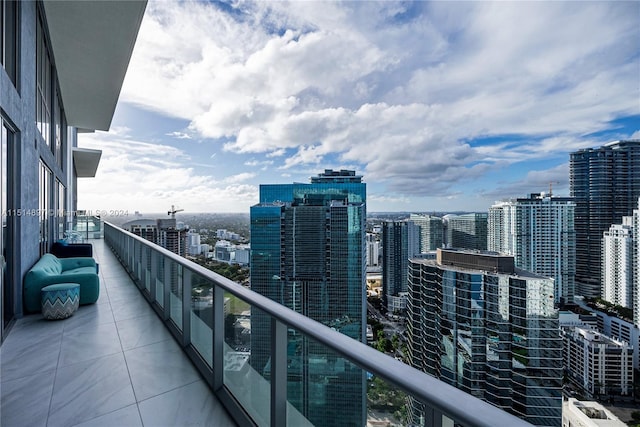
(159, 278)
(176, 293)
(387, 404)
(421, 414)
(202, 316)
(245, 359)
(146, 261)
(141, 261)
(323, 388)
(84, 227)
(136, 259)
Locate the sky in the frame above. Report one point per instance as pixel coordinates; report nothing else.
(440, 106)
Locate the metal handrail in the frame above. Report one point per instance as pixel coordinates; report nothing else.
(453, 403)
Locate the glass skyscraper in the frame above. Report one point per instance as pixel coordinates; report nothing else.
(400, 241)
(308, 253)
(467, 231)
(431, 231)
(485, 327)
(605, 184)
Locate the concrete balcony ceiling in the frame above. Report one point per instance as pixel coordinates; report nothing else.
(92, 43)
(86, 162)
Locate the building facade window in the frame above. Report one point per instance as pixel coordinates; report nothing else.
(9, 38)
(60, 212)
(43, 85)
(7, 287)
(59, 130)
(44, 208)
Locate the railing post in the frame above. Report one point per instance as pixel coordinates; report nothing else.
(278, 373)
(433, 417)
(218, 337)
(186, 306)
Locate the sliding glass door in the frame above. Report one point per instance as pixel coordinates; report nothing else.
(6, 294)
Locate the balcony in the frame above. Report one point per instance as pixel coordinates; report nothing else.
(111, 364)
(166, 345)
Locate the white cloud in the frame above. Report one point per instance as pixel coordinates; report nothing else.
(241, 177)
(398, 89)
(179, 135)
(136, 175)
(254, 162)
(384, 199)
(555, 179)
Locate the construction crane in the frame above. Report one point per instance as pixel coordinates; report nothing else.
(173, 212)
(551, 187)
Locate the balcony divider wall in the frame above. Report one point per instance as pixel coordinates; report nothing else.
(204, 311)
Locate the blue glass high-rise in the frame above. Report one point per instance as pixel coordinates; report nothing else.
(308, 253)
(477, 322)
(605, 184)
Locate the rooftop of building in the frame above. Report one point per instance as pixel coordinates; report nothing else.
(467, 216)
(343, 176)
(591, 414)
(540, 197)
(141, 222)
(613, 145)
(593, 336)
(622, 142)
(478, 262)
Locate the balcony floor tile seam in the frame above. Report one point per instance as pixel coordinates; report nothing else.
(126, 364)
(136, 346)
(109, 413)
(94, 359)
(140, 298)
(55, 377)
(8, 398)
(62, 385)
(109, 278)
(138, 402)
(115, 297)
(26, 375)
(114, 275)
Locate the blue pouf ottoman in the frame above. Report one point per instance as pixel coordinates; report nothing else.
(60, 301)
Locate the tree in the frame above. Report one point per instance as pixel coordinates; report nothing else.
(395, 340)
(229, 328)
(384, 345)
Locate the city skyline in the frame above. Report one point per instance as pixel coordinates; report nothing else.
(439, 105)
(177, 333)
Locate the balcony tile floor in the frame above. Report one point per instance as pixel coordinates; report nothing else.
(112, 363)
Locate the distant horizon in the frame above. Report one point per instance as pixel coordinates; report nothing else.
(247, 213)
(130, 216)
